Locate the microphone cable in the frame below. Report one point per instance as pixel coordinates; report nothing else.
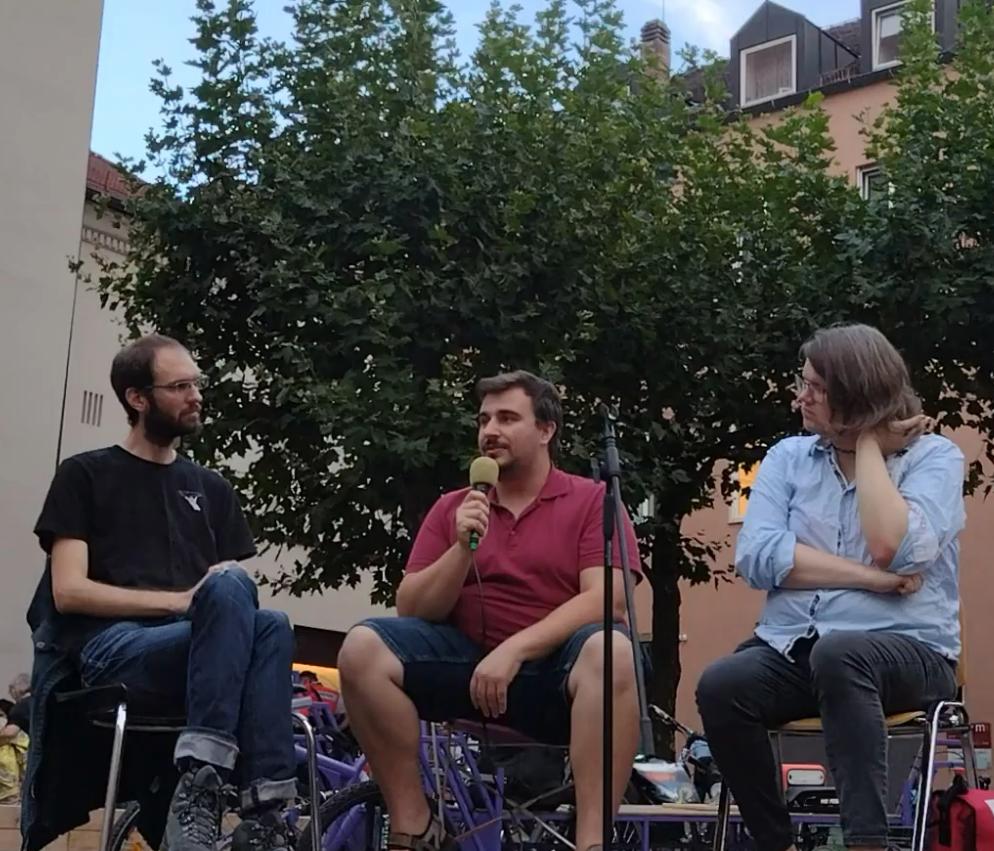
(488, 748)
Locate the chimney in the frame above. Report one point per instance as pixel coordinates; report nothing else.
(656, 48)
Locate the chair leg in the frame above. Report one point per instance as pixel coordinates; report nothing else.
(312, 778)
(969, 758)
(113, 775)
(929, 746)
(778, 742)
(723, 819)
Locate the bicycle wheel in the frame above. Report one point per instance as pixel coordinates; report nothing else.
(352, 819)
(123, 825)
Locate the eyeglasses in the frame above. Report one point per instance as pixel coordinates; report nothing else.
(802, 386)
(181, 388)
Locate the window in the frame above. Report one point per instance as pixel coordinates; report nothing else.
(768, 70)
(887, 23)
(872, 184)
(93, 408)
(745, 476)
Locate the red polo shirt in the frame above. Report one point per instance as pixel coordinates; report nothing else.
(530, 564)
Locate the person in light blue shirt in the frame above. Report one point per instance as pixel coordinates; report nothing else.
(852, 532)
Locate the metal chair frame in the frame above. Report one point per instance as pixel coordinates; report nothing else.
(120, 724)
(949, 717)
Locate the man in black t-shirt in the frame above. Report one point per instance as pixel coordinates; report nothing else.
(144, 546)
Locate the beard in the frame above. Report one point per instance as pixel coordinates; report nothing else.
(508, 463)
(162, 429)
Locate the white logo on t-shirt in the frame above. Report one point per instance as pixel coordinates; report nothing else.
(192, 498)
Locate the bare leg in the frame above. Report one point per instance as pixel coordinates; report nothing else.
(586, 740)
(385, 723)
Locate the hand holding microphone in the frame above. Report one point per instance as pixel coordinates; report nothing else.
(473, 516)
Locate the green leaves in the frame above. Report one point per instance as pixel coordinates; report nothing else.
(926, 248)
(355, 226)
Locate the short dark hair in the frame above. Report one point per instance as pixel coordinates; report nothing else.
(133, 366)
(309, 674)
(546, 402)
(866, 378)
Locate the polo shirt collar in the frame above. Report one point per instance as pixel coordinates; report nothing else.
(556, 485)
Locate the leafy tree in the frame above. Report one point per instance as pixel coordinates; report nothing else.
(353, 227)
(924, 262)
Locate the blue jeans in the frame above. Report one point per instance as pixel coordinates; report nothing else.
(226, 667)
(439, 661)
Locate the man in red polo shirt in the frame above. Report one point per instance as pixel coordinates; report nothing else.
(516, 637)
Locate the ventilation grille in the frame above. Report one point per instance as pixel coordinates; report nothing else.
(93, 408)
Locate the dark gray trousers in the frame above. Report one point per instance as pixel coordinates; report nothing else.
(850, 679)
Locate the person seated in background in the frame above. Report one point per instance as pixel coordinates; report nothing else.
(13, 743)
(144, 548)
(19, 716)
(309, 678)
(512, 632)
(852, 532)
(317, 691)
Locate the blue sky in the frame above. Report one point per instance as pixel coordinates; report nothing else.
(135, 32)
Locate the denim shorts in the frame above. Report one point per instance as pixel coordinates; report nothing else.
(439, 661)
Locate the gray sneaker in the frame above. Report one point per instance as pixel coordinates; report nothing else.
(265, 832)
(194, 822)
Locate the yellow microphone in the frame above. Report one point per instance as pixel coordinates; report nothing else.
(483, 475)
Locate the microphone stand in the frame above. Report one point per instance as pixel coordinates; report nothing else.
(607, 468)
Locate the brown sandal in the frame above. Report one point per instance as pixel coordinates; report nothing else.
(434, 838)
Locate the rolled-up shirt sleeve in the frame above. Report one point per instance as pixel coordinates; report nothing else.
(932, 485)
(764, 552)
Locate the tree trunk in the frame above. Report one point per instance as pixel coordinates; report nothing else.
(665, 635)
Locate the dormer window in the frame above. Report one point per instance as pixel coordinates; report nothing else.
(887, 25)
(768, 70)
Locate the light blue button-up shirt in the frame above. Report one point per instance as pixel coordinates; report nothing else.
(800, 496)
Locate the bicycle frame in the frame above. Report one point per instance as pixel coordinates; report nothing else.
(474, 804)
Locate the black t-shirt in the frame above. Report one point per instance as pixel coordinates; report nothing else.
(147, 525)
(20, 714)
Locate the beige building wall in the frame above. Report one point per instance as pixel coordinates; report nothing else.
(48, 63)
(713, 621)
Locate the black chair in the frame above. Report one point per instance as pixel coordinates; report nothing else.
(106, 707)
(76, 732)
